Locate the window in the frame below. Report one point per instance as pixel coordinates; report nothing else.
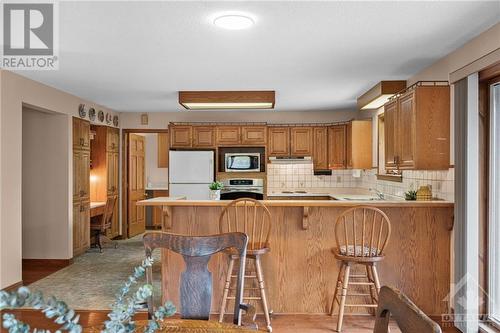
(494, 204)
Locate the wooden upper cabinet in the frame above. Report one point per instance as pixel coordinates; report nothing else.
(301, 143)
(359, 144)
(417, 129)
(278, 141)
(320, 148)
(348, 143)
(406, 131)
(112, 172)
(181, 136)
(81, 134)
(163, 148)
(81, 174)
(113, 139)
(390, 137)
(337, 147)
(253, 135)
(228, 135)
(203, 136)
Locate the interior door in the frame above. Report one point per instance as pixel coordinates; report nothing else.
(136, 188)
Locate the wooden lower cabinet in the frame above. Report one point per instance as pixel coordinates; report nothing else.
(81, 227)
(337, 147)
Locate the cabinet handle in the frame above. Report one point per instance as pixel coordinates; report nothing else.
(81, 141)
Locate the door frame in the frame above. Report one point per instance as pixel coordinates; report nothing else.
(125, 167)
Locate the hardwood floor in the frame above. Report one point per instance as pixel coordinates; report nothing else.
(281, 323)
(35, 269)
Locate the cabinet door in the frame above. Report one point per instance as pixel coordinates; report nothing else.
(163, 146)
(348, 143)
(337, 147)
(203, 136)
(113, 139)
(301, 141)
(114, 231)
(406, 131)
(76, 133)
(76, 227)
(390, 131)
(228, 135)
(279, 141)
(320, 148)
(84, 174)
(85, 134)
(112, 172)
(76, 175)
(85, 225)
(254, 135)
(180, 136)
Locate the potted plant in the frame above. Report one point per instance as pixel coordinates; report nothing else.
(215, 188)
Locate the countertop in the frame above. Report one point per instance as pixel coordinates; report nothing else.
(172, 201)
(97, 204)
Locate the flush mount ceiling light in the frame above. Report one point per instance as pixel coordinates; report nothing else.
(219, 100)
(233, 21)
(379, 94)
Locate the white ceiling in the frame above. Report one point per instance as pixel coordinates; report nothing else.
(135, 56)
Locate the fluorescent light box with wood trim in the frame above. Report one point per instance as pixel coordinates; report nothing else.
(216, 100)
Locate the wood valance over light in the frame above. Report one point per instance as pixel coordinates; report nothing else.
(379, 94)
(213, 100)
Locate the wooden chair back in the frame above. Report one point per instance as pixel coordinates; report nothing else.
(250, 217)
(362, 231)
(407, 315)
(109, 210)
(196, 280)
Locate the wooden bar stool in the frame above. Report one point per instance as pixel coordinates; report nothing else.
(251, 217)
(361, 234)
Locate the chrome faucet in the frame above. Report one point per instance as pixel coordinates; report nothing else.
(380, 195)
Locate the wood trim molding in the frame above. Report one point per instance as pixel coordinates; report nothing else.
(56, 263)
(476, 66)
(144, 130)
(13, 286)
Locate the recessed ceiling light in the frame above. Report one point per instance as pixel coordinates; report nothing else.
(234, 21)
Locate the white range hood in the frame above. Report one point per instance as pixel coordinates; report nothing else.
(290, 160)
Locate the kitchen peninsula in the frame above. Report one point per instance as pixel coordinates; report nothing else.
(301, 271)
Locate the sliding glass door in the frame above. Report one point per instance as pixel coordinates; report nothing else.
(494, 205)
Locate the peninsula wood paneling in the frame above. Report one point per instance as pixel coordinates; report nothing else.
(300, 271)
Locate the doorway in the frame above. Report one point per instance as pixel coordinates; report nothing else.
(46, 207)
(144, 175)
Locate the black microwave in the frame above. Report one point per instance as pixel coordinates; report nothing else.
(242, 162)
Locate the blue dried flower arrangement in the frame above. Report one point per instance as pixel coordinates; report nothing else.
(120, 317)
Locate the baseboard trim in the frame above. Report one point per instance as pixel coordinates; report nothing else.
(14, 286)
(48, 263)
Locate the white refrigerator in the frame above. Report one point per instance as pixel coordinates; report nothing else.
(190, 173)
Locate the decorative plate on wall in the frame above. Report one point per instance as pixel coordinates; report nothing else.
(109, 118)
(115, 121)
(92, 114)
(100, 116)
(81, 111)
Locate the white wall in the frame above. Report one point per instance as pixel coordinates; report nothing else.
(17, 90)
(46, 233)
(157, 176)
(160, 120)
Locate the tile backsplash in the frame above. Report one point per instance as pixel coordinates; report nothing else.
(300, 176)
